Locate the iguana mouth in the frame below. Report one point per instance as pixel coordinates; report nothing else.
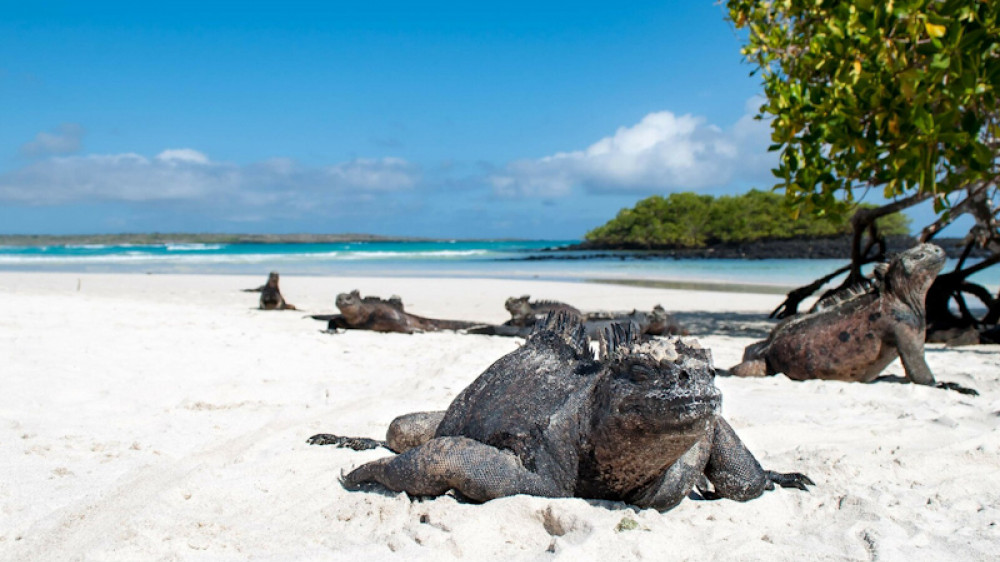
(682, 405)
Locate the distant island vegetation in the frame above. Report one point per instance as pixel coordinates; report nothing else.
(689, 220)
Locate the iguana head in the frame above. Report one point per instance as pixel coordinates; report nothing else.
(350, 304)
(659, 386)
(518, 306)
(272, 279)
(659, 321)
(911, 273)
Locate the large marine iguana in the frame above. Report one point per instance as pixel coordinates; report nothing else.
(270, 295)
(639, 424)
(854, 338)
(373, 313)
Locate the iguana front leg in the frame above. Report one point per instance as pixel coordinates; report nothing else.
(754, 364)
(736, 474)
(477, 471)
(678, 480)
(911, 355)
(412, 430)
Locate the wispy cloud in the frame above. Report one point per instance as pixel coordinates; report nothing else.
(182, 155)
(187, 175)
(65, 139)
(663, 151)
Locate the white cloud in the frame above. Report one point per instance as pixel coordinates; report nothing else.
(187, 175)
(65, 139)
(182, 155)
(663, 151)
(386, 174)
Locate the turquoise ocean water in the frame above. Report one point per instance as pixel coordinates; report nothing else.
(460, 258)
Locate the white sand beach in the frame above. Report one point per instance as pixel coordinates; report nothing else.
(164, 417)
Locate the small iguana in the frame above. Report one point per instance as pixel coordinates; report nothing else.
(270, 295)
(657, 322)
(525, 312)
(373, 313)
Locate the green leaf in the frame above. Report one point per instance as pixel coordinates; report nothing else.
(940, 62)
(935, 30)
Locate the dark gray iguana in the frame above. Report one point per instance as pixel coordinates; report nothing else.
(639, 424)
(854, 338)
(525, 312)
(657, 322)
(270, 294)
(373, 313)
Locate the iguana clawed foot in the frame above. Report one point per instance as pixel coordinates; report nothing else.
(957, 388)
(785, 480)
(356, 443)
(790, 480)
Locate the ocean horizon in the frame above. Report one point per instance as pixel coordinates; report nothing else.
(521, 259)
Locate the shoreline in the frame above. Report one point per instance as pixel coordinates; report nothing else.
(527, 260)
(836, 247)
(686, 285)
(831, 247)
(584, 277)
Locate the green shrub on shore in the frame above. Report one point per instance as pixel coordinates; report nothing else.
(689, 220)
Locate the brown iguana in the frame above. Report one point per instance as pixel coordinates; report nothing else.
(524, 312)
(638, 424)
(855, 338)
(270, 295)
(373, 313)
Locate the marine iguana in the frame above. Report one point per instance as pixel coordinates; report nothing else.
(524, 312)
(655, 323)
(854, 338)
(638, 424)
(270, 294)
(373, 313)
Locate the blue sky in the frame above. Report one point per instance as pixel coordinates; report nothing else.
(444, 119)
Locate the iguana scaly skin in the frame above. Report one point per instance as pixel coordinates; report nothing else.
(855, 338)
(638, 424)
(373, 313)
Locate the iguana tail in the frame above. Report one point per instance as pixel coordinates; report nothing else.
(356, 443)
